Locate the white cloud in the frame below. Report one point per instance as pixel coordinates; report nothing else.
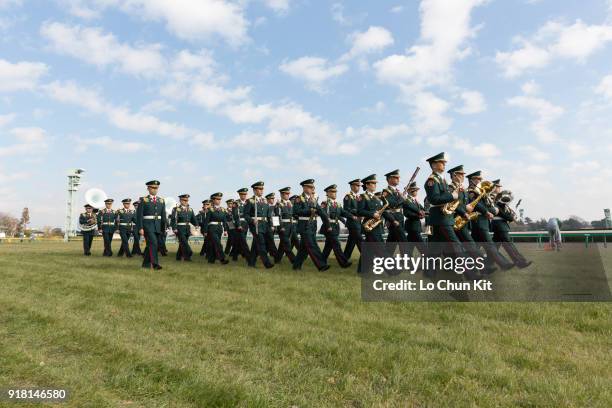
(313, 70)
(530, 88)
(534, 153)
(121, 117)
(278, 6)
(445, 29)
(484, 150)
(473, 102)
(374, 39)
(368, 134)
(26, 142)
(429, 113)
(204, 141)
(95, 47)
(576, 149)
(554, 40)
(605, 87)
(397, 9)
(6, 119)
(109, 144)
(10, 3)
(21, 75)
(337, 10)
(545, 113)
(157, 105)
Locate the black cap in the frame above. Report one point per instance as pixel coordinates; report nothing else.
(475, 174)
(88, 206)
(394, 173)
(230, 201)
(216, 195)
(308, 182)
(126, 200)
(206, 202)
(369, 179)
(438, 157)
(153, 183)
(356, 181)
(413, 186)
(285, 190)
(257, 184)
(270, 195)
(243, 190)
(293, 197)
(136, 203)
(331, 188)
(497, 182)
(457, 169)
(184, 196)
(109, 200)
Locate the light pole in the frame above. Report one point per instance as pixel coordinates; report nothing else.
(74, 181)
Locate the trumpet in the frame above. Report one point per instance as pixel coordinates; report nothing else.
(484, 188)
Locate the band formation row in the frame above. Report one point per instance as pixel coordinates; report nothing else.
(461, 216)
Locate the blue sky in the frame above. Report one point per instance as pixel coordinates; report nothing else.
(212, 95)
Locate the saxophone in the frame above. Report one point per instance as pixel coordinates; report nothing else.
(450, 208)
(372, 223)
(485, 188)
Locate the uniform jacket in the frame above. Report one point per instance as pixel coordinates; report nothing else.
(151, 214)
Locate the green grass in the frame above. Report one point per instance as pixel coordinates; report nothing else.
(194, 335)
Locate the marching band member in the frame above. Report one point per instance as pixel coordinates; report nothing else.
(241, 247)
(463, 210)
(256, 215)
(370, 206)
(88, 224)
(414, 212)
(284, 210)
(270, 244)
(480, 226)
(107, 225)
(501, 227)
(151, 221)
(394, 214)
(125, 223)
(216, 216)
(353, 223)
(229, 227)
(335, 213)
(136, 245)
(181, 219)
(201, 217)
(307, 209)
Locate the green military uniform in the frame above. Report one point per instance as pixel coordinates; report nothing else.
(256, 212)
(88, 224)
(413, 213)
(501, 228)
(216, 216)
(370, 203)
(125, 222)
(394, 214)
(270, 244)
(353, 223)
(151, 218)
(295, 238)
(107, 225)
(200, 218)
(241, 246)
(230, 228)
(480, 226)
(306, 208)
(136, 244)
(181, 219)
(335, 214)
(284, 211)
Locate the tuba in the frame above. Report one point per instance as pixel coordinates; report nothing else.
(95, 197)
(484, 188)
(372, 223)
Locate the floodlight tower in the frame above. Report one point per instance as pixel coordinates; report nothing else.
(74, 181)
(607, 218)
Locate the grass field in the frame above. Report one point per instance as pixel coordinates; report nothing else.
(194, 335)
